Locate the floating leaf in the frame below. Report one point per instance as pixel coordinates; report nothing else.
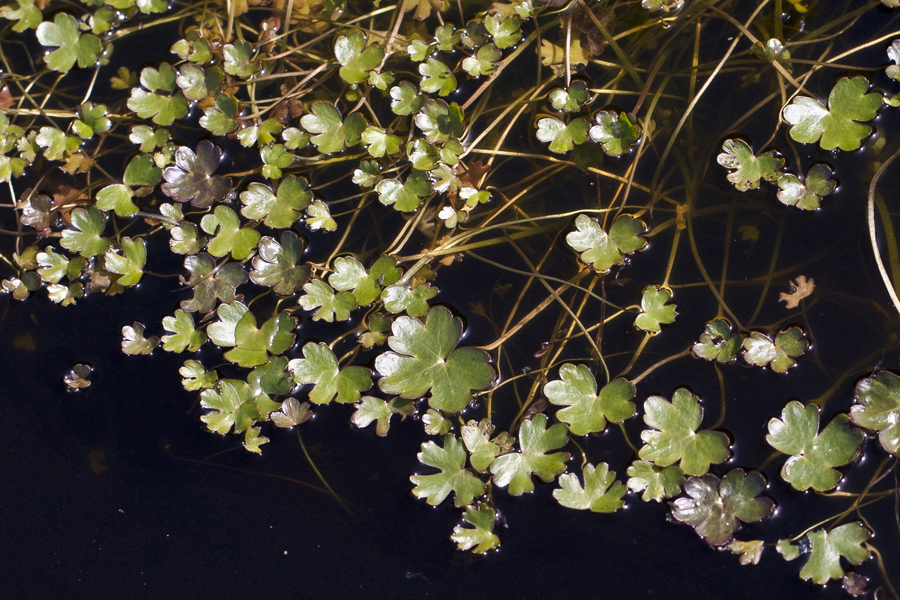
(117, 197)
(749, 552)
(602, 250)
(601, 492)
(799, 290)
(453, 477)
(482, 449)
(210, 287)
(237, 59)
(405, 99)
(813, 455)
(184, 335)
(253, 440)
(79, 377)
(141, 171)
(716, 508)
(356, 59)
(277, 265)
(436, 77)
(480, 538)
(370, 409)
(196, 377)
(674, 437)
(134, 342)
(827, 548)
(72, 45)
(229, 235)
(615, 133)
(587, 411)
(718, 343)
(331, 134)
(379, 143)
(130, 265)
(561, 136)
(806, 195)
(319, 366)
(748, 169)
(535, 443)
(192, 180)
(319, 295)
(878, 408)
(237, 327)
(232, 404)
(655, 482)
(483, 63)
(27, 16)
(570, 99)
(435, 423)
(423, 359)
(407, 195)
(318, 216)
(893, 52)
(779, 355)
(654, 310)
(292, 413)
(839, 125)
(440, 121)
(399, 298)
(85, 238)
(162, 108)
(350, 275)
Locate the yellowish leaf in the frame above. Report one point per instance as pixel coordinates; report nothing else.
(799, 290)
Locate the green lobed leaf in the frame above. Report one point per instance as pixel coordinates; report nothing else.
(601, 492)
(561, 136)
(806, 195)
(587, 411)
(450, 460)
(716, 509)
(184, 335)
(85, 237)
(828, 547)
(355, 58)
(117, 198)
(320, 297)
(602, 250)
(535, 442)
(780, 354)
(424, 358)
(655, 482)
(279, 209)
(277, 265)
(877, 408)
(370, 409)
(615, 133)
(718, 343)
(748, 169)
(839, 125)
(130, 265)
(319, 366)
(813, 456)
(674, 437)
(482, 449)
(480, 538)
(72, 45)
(654, 311)
(331, 133)
(229, 235)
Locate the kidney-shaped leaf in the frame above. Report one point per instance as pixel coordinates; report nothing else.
(192, 180)
(535, 442)
(320, 366)
(838, 125)
(675, 438)
(716, 508)
(601, 492)
(878, 408)
(453, 477)
(827, 548)
(813, 455)
(603, 250)
(424, 359)
(587, 411)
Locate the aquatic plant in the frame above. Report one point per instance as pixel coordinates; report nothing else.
(319, 169)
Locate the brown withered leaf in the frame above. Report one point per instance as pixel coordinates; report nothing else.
(799, 290)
